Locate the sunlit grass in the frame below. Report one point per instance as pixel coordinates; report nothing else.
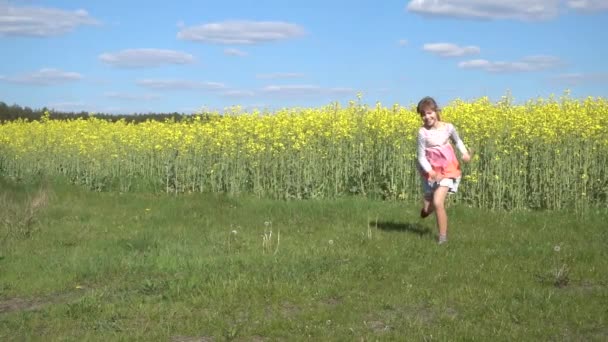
(110, 266)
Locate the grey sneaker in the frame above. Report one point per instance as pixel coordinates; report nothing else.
(442, 239)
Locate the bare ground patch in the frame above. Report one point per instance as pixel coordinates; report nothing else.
(192, 339)
(331, 302)
(387, 319)
(31, 304)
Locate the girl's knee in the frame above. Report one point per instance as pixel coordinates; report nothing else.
(438, 204)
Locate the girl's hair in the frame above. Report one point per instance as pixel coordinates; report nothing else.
(428, 102)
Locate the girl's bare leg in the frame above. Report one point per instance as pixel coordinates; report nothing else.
(440, 212)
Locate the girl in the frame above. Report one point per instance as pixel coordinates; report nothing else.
(437, 162)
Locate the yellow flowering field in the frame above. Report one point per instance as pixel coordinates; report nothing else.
(546, 153)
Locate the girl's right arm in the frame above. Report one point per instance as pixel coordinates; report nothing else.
(422, 161)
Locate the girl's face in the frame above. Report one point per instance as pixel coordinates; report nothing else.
(429, 117)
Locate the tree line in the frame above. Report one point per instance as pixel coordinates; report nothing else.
(15, 112)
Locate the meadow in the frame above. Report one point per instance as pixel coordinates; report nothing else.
(78, 265)
(304, 224)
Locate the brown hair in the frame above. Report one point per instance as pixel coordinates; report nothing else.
(428, 102)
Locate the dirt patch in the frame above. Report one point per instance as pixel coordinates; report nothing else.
(597, 334)
(422, 314)
(254, 338)
(450, 313)
(377, 326)
(20, 304)
(586, 287)
(384, 320)
(332, 302)
(192, 339)
(289, 310)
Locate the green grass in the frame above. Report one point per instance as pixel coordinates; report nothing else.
(111, 266)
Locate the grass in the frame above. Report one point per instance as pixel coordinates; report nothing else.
(111, 266)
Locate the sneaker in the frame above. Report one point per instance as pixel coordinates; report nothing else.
(442, 240)
(424, 213)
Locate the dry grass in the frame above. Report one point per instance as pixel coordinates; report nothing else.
(18, 217)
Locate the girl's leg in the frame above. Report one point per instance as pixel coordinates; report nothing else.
(442, 216)
(427, 199)
(427, 206)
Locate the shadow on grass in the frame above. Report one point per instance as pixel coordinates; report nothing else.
(403, 227)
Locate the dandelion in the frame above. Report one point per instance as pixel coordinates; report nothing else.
(234, 232)
(331, 242)
(557, 248)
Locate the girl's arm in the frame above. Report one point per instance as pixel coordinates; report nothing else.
(422, 161)
(459, 143)
(456, 140)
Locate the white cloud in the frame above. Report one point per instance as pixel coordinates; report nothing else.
(402, 42)
(235, 52)
(40, 21)
(131, 97)
(241, 32)
(142, 58)
(65, 104)
(180, 85)
(527, 10)
(305, 90)
(574, 79)
(279, 75)
(588, 5)
(69, 106)
(45, 76)
(527, 64)
(259, 107)
(238, 93)
(450, 50)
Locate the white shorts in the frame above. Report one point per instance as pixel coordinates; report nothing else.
(428, 187)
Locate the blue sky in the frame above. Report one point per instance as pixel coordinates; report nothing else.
(165, 56)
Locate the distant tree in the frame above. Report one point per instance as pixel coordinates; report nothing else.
(15, 112)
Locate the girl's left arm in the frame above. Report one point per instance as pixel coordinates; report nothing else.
(459, 143)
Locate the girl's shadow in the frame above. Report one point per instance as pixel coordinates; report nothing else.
(403, 227)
